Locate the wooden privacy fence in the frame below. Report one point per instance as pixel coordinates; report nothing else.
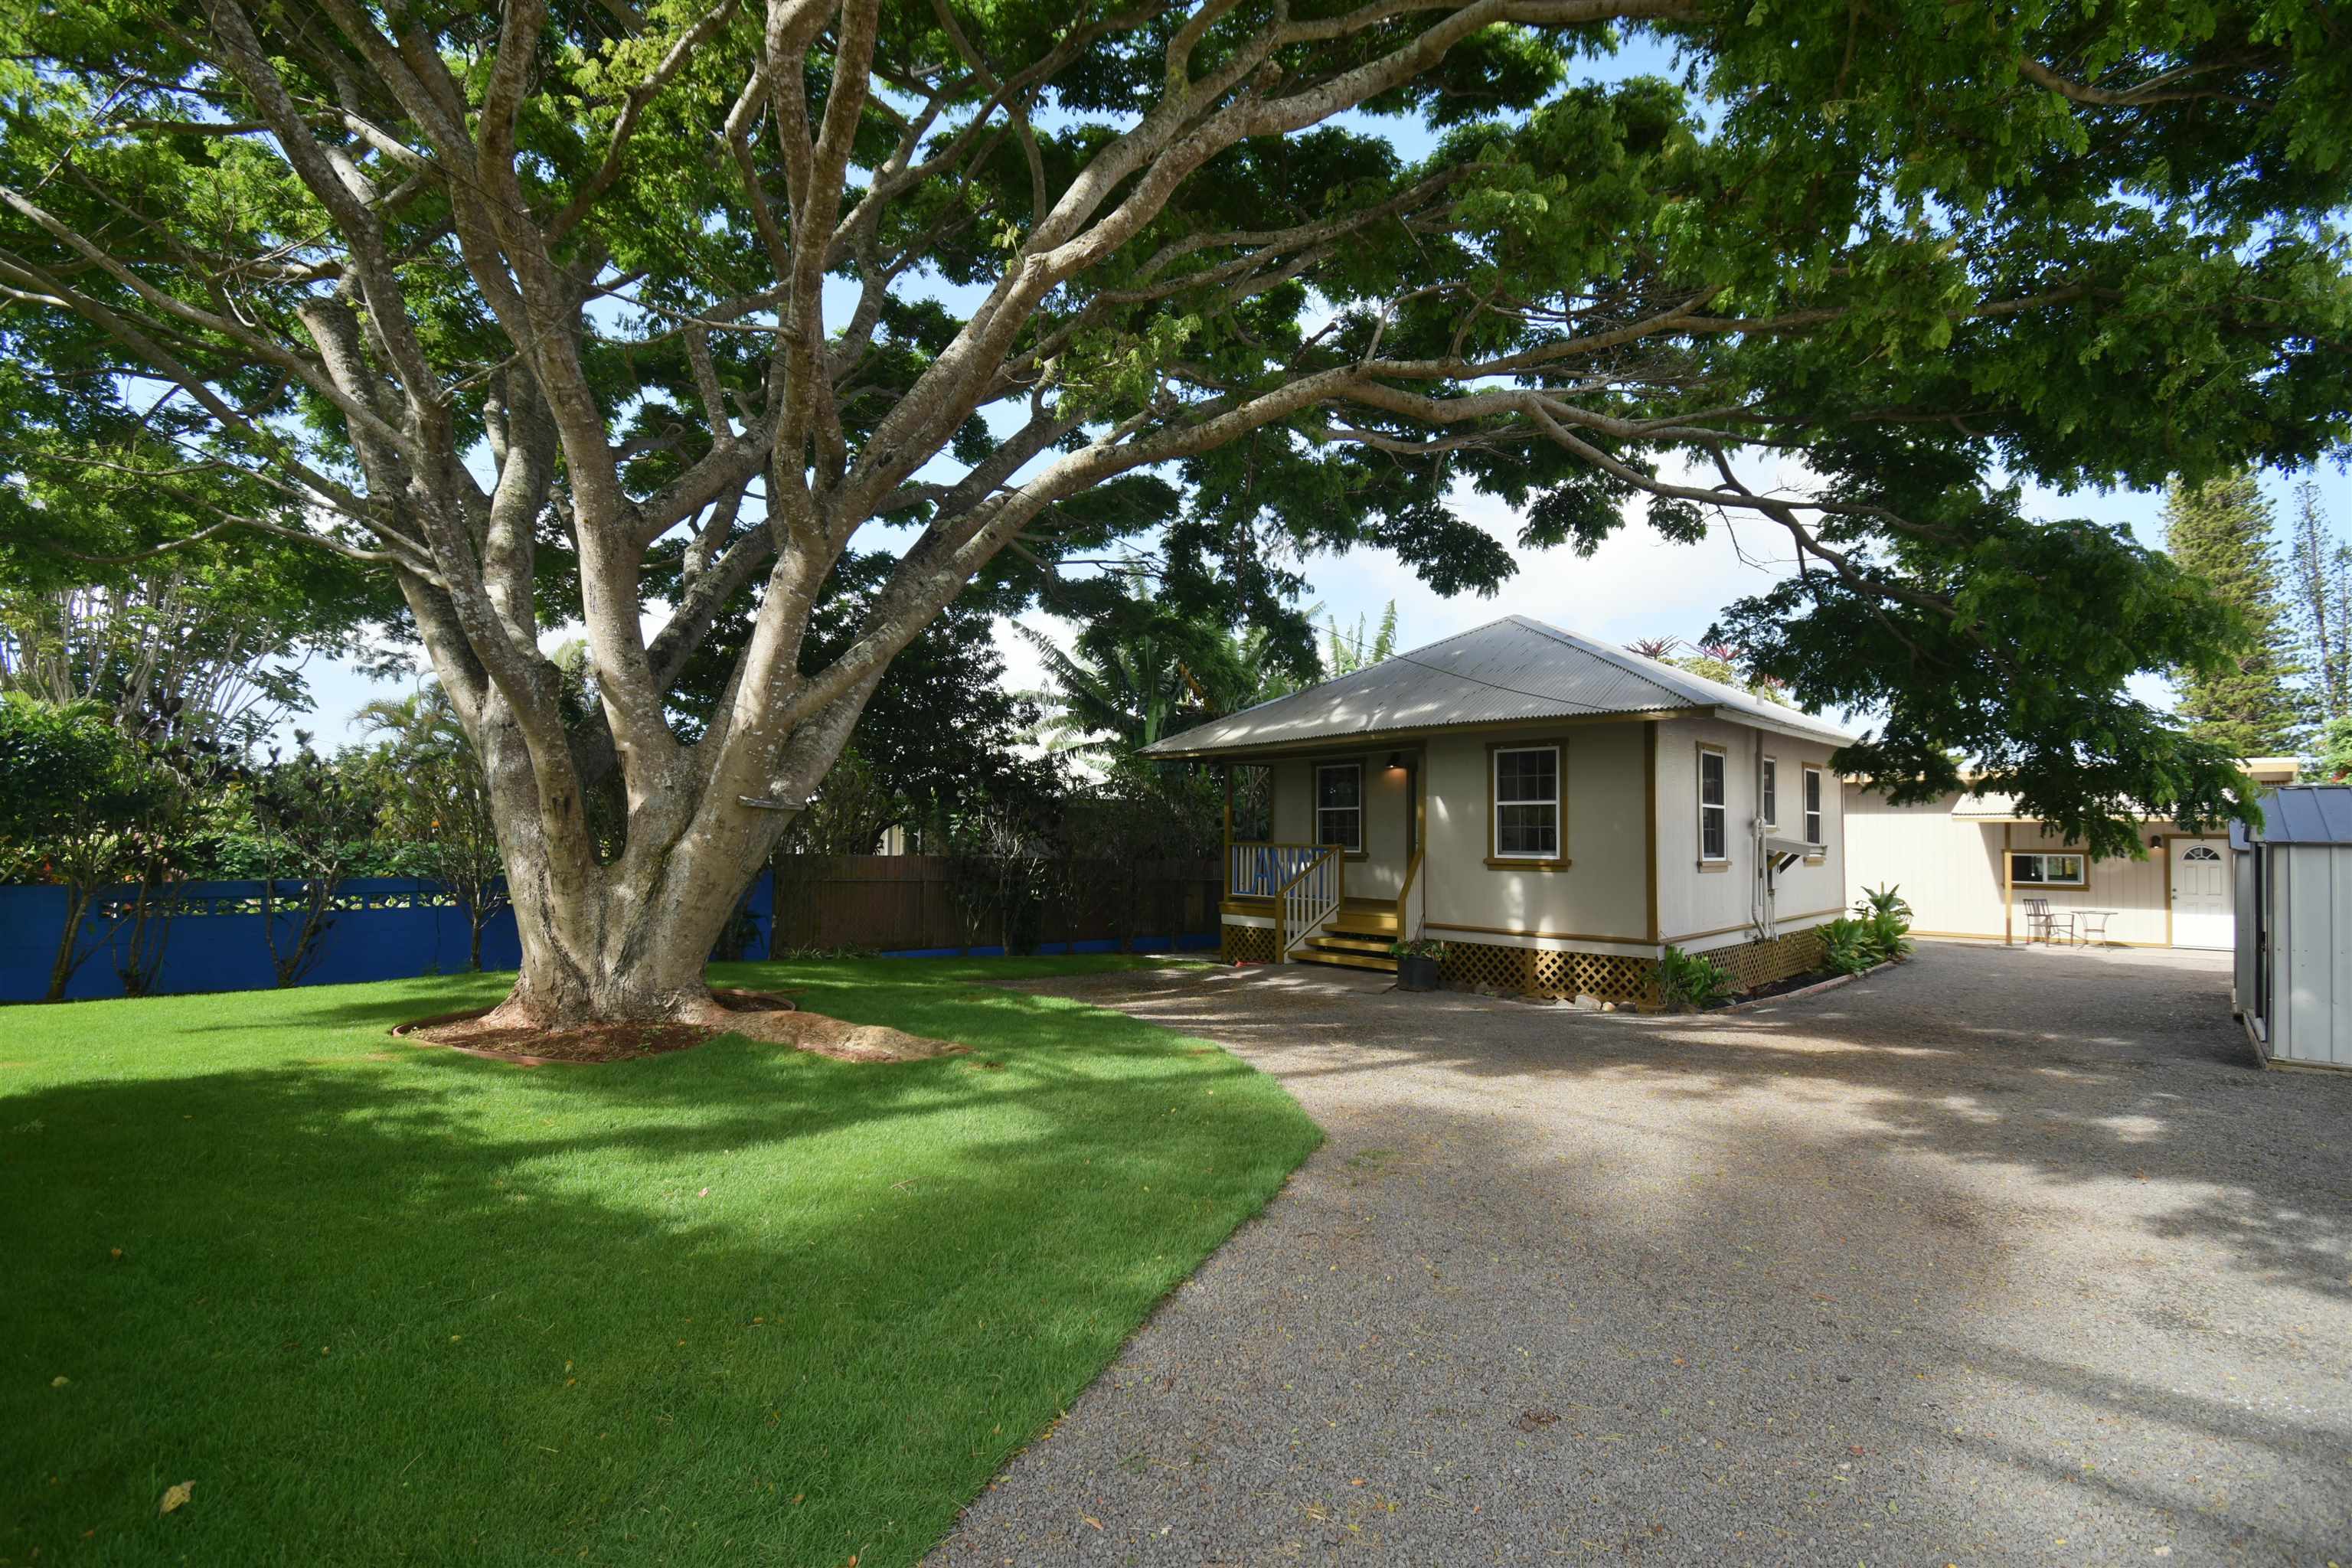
(897, 903)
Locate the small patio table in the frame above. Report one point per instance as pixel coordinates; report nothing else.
(2091, 925)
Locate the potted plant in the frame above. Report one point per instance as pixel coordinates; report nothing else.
(1417, 962)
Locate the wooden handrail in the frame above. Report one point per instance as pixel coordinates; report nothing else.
(1404, 893)
(1282, 898)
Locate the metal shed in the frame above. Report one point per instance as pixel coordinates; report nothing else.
(2293, 982)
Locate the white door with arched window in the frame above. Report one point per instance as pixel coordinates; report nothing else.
(2202, 911)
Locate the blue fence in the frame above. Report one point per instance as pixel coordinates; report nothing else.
(382, 928)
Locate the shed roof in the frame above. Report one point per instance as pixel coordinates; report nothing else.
(2304, 814)
(1510, 670)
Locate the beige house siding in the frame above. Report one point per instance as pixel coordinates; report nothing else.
(1953, 874)
(1701, 906)
(1379, 871)
(1599, 902)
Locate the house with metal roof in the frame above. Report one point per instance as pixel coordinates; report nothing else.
(1555, 809)
(1977, 866)
(2292, 984)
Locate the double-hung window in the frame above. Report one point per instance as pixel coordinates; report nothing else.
(1813, 807)
(1771, 792)
(1714, 813)
(1340, 805)
(1527, 803)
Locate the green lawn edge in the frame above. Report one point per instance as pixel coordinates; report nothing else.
(387, 1303)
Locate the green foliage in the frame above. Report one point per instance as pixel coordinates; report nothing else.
(1348, 652)
(2220, 531)
(437, 814)
(2319, 578)
(1935, 254)
(80, 804)
(1847, 945)
(311, 815)
(2334, 758)
(1873, 935)
(1419, 947)
(1886, 901)
(1691, 982)
(306, 1202)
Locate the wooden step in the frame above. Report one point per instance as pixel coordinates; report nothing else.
(1340, 959)
(1374, 942)
(1364, 921)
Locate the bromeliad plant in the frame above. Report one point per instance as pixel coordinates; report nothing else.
(1875, 933)
(1688, 983)
(1419, 947)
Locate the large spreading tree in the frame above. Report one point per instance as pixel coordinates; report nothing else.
(631, 312)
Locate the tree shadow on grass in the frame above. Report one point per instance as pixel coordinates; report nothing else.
(733, 1304)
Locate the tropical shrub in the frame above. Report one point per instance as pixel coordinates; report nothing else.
(1888, 920)
(1419, 947)
(1689, 984)
(1848, 946)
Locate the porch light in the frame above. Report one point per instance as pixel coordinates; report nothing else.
(1396, 761)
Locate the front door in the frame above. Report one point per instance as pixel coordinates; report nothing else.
(2202, 911)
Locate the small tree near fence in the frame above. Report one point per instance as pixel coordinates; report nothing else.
(436, 811)
(313, 819)
(1007, 857)
(73, 791)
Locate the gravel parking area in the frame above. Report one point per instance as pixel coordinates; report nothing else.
(1998, 1256)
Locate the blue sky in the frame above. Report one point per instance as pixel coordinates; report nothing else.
(1635, 585)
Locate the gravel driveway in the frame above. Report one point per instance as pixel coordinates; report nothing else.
(1999, 1257)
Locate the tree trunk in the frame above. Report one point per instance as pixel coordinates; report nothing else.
(61, 967)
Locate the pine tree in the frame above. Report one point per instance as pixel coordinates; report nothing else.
(2320, 572)
(2222, 532)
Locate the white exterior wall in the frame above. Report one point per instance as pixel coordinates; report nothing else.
(1600, 901)
(2308, 889)
(2134, 890)
(1951, 872)
(1703, 906)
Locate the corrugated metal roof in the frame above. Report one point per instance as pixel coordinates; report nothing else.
(2307, 814)
(1510, 670)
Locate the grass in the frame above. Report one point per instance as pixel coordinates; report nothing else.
(734, 1305)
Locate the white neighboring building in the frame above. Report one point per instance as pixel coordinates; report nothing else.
(1968, 865)
(2292, 982)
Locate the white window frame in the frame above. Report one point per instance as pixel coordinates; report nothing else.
(1772, 804)
(1557, 801)
(1722, 808)
(1814, 805)
(2082, 862)
(1356, 810)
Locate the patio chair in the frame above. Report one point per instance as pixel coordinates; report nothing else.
(2039, 922)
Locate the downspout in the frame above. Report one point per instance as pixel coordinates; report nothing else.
(1761, 909)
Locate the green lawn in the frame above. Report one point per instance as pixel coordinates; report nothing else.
(734, 1305)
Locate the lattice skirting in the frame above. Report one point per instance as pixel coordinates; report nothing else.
(1611, 977)
(1757, 963)
(1532, 972)
(1248, 944)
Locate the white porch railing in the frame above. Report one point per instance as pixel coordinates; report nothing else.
(1261, 870)
(1306, 900)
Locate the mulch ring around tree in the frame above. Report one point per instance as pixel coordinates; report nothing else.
(766, 1016)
